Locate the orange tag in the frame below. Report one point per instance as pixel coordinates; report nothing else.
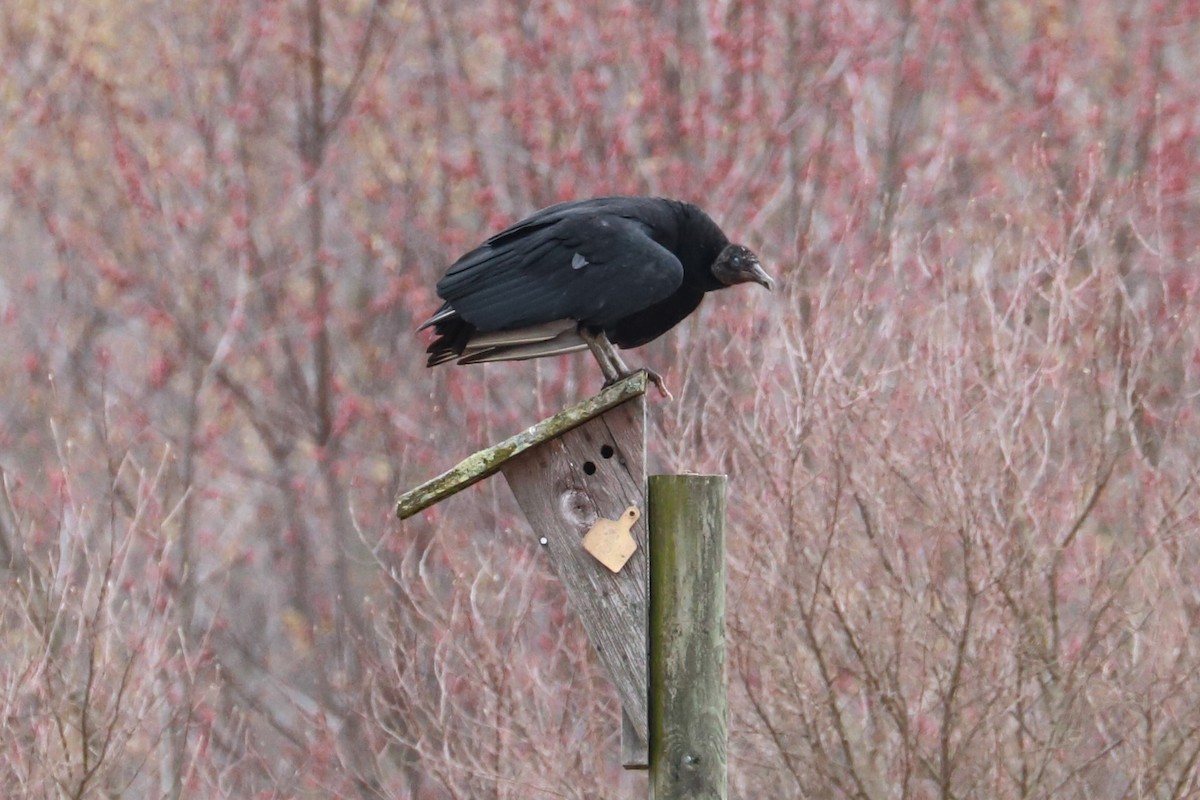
(610, 542)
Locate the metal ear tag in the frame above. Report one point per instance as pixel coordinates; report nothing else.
(610, 541)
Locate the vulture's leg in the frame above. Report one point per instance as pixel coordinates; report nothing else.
(611, 364)
(605, 355)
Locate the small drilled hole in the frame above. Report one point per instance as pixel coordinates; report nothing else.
(606, 451)
(589, 468)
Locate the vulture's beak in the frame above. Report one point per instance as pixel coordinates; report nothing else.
(759, 276)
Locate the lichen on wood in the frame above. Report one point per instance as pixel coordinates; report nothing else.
(484, 463)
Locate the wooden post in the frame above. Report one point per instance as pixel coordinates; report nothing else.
(688, 704)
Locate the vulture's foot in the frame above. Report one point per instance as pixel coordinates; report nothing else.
(658, 381)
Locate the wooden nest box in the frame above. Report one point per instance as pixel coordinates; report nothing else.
(580, 479)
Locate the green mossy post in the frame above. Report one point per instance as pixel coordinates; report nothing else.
(688, 703)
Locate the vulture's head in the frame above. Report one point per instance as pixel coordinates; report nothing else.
(738, 264)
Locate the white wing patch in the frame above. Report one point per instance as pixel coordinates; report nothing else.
(548, 339)
(578, 261)
(533, 333)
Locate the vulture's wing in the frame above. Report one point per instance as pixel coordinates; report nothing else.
(561, 264)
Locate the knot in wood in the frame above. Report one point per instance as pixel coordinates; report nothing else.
(577, 507)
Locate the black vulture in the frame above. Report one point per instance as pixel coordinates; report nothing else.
(589, 273)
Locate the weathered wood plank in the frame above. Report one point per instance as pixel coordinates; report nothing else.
(488, 462)
(635, 753)
(688, 703)
(594, 471)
